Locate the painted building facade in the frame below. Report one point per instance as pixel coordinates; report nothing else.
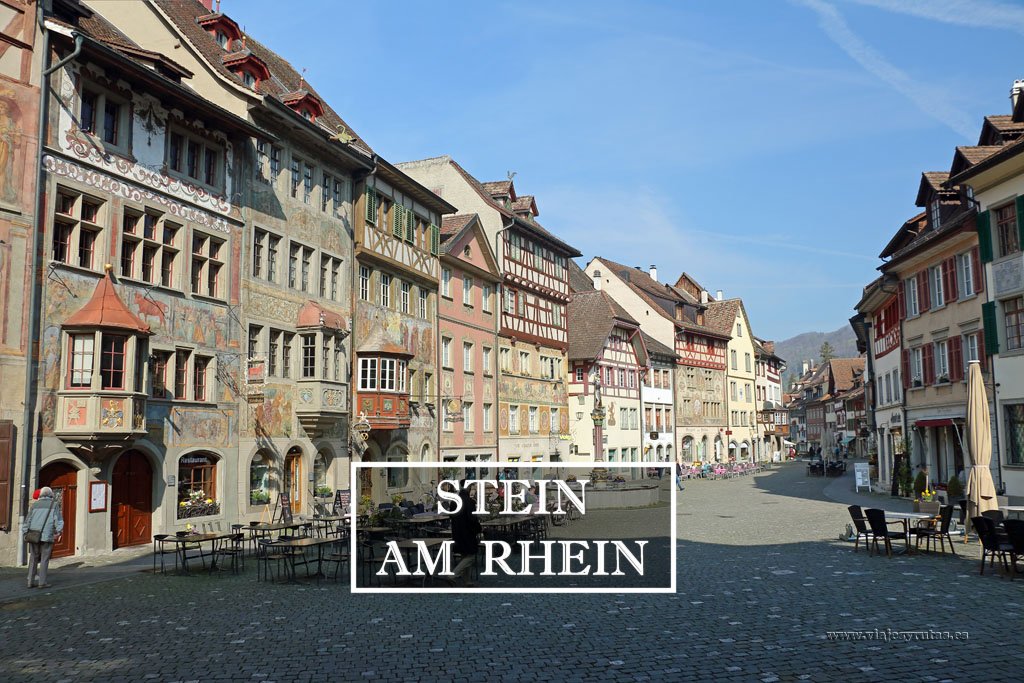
(533, 336)
(19, 146)
(140, 364)
(468, 327)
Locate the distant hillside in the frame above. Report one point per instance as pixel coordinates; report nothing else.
(807, 345)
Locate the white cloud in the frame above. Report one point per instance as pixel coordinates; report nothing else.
(930, 100)
(972, 13)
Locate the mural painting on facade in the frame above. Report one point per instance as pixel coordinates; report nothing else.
(77, 412)
(532, 391)
(273, 417)
(17, 106)
(112, 413)
(202, 426)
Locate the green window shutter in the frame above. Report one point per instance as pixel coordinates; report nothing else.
(371, 205)
(983, 221)
(1020, 220)
(988, 318)
(410, 226)
(435, 239)
(396, 221)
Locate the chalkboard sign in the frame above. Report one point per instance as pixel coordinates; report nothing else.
(342, 500)
(284, 505)
(863, 474)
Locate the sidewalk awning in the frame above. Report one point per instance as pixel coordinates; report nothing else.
(942, 422)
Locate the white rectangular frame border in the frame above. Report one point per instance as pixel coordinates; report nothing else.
(673, 546)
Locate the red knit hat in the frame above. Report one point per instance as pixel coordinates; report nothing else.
(35, 494)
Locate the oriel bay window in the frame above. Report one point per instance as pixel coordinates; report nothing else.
(102, 366)
(383, 387)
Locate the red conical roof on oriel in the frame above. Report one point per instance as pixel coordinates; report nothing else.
(105, 309)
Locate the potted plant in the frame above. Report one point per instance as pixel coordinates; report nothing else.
(324, 492)
(259, 497)
(927, 503)
(905, 480)
(954, 490)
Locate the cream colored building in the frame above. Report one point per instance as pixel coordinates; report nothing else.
(730, 317)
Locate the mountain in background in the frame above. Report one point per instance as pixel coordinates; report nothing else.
(807, 346)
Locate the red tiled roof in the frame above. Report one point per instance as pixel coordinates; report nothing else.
(105, 309)
(313, 314)
(907, 232)
(592, 318)
(721, 315)
(284, 79)
(499, 188)
(530, 226)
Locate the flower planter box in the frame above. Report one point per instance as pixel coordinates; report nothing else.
(928, 507)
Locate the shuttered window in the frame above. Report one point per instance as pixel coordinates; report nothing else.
(6, 474)
(371, 205)
(983, 223)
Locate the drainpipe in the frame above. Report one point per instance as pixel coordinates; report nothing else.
(499, 292)
(28, 436)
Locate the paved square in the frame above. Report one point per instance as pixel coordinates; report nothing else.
(761, 582)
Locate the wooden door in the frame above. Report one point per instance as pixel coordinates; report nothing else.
(293, 480)
(131, 499)
(63, 479)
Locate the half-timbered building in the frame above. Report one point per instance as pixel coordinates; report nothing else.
(533, 419)
(607, 364)
(397, 270)
(676, 319)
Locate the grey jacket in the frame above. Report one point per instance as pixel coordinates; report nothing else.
(37, 517)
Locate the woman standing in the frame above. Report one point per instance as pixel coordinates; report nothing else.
(43, 526)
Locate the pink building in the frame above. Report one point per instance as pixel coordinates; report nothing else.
(468, 321)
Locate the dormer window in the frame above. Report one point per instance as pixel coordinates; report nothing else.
(222, 39)
(936, 214)
(304, 104)
(248, 79)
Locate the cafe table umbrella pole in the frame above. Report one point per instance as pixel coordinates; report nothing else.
(981, 491)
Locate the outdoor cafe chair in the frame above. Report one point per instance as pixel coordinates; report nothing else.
(267, 553)
(935, 528)
(859, 524)
(1015, 532)
(991, 545)
(880, 530)
(233, 548)
(160, 549)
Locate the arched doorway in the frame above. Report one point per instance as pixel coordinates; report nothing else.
(63, 479)
(293, 477)
(131, 500)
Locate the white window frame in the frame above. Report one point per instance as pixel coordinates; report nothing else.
(467, 290)
(941, 361)
(965, 275)
(910, 294)
(936, 287)
(368, 373)
(446, 282)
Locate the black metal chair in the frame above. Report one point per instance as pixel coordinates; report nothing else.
(160, 549)
(935, 529)
(880, 530)
(991, 544)
(234, 549)
(996, 516)
(265, 554)
(1015, 533)
(860, 525)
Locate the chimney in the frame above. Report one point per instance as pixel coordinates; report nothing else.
(719, 296)
(208, 4)
(805, 368)
(703, 296)
(654, 272)
(1015, 90)
(597, 280)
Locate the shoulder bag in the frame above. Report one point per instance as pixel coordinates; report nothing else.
(36, 535)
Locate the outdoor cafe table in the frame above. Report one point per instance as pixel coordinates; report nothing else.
(182, 542)
(1012, 509)
(302, 544)
(324, 522)
(906, 517)
(505, 524)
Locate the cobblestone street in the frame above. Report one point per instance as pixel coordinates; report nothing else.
(761, 581)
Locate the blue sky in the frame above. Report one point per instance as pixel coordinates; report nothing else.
(769, 148)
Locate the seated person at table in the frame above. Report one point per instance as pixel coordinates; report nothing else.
(465, 533)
